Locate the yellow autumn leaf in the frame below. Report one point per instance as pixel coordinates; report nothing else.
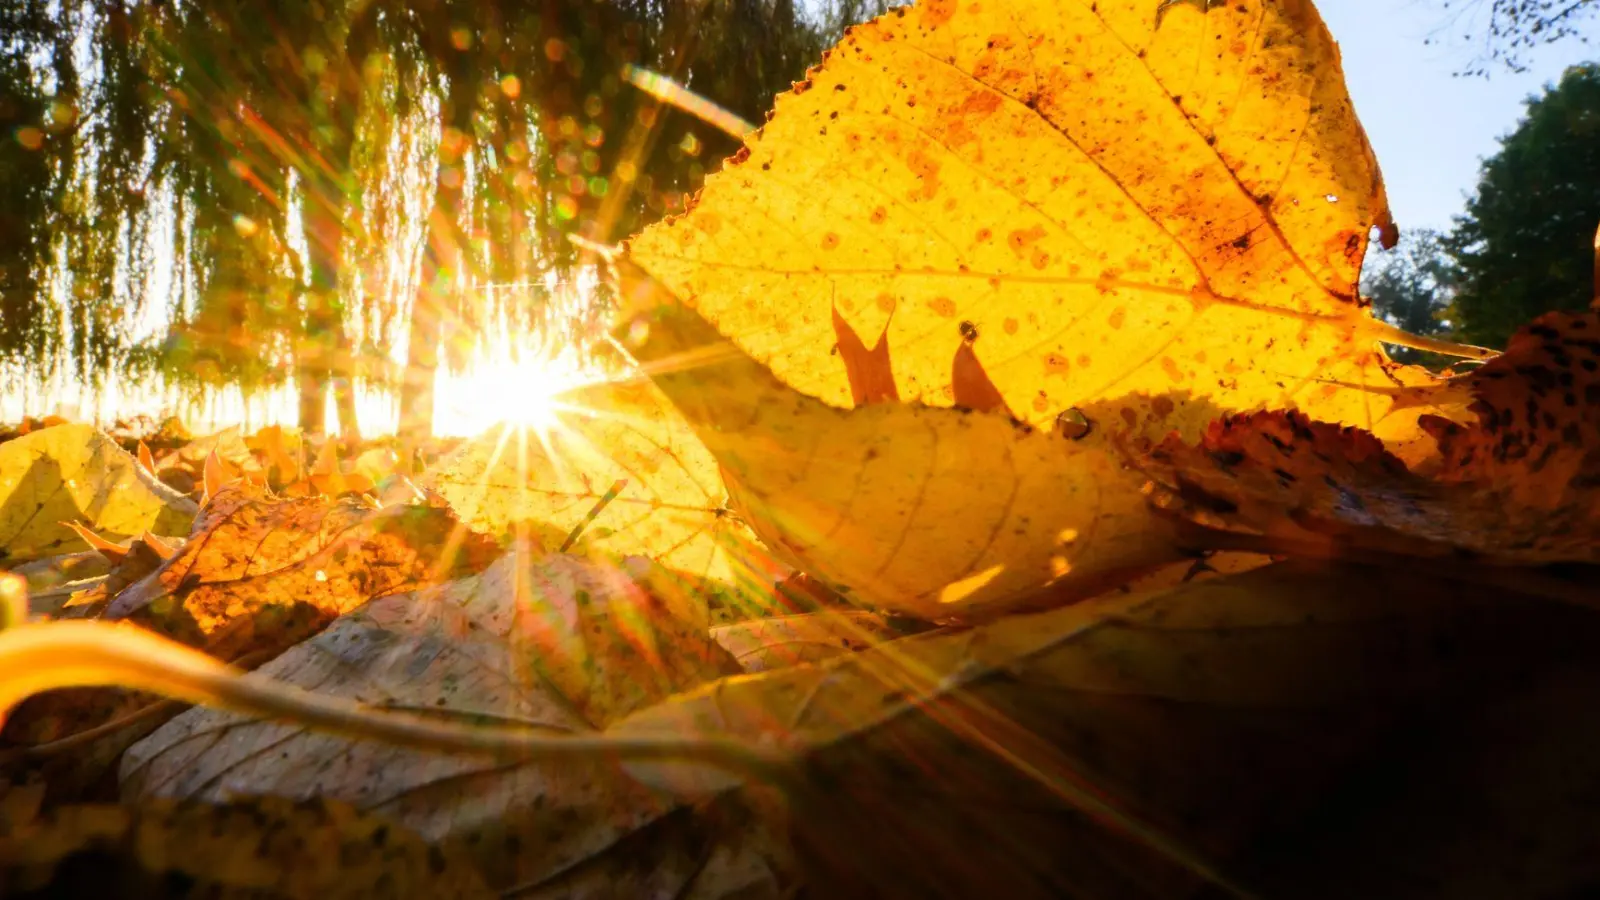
(1071, 203)
(621, 473)
(932, 512)
(75, 474)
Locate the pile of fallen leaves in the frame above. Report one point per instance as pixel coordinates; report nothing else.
(1014, 500)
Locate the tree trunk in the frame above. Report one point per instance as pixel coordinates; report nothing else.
(344, 397)
(326, 357)
(442, 272)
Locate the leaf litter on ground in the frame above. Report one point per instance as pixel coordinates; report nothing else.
(920, 327)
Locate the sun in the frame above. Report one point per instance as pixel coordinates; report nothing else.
(519, 386)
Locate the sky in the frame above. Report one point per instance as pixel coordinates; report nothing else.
(1430, 129)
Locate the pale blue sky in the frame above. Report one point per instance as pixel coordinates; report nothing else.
(1430, 129)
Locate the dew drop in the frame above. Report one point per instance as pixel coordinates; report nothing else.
(1073, 425)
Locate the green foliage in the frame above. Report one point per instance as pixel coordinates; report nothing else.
(1526, 244)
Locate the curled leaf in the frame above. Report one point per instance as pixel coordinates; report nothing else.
(1521, 485)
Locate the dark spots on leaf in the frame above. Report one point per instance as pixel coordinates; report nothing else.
(1226, 459)
(1198, 497)
(969, 332)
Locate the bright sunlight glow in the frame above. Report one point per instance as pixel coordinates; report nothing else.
(509, 382)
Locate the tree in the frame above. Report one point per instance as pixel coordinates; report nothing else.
(1526, 243)
(1510, 29)
(1412, 287)
(334, 177)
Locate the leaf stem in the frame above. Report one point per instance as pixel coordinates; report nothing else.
(599, 507)
(1389, 334)
(50, 655)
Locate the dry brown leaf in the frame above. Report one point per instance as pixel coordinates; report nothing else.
(257, 577)
(1197, 720)
(228, 444)
(1517, 486)
(278, 452)
(248, 848)
(256, 566)
(764, 644)
(561, 643)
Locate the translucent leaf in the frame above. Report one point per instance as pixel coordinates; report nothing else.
(1085, 202)
(620, 473)
(928, 511)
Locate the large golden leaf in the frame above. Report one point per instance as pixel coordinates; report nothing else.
(74, 473)
(1086, 201)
